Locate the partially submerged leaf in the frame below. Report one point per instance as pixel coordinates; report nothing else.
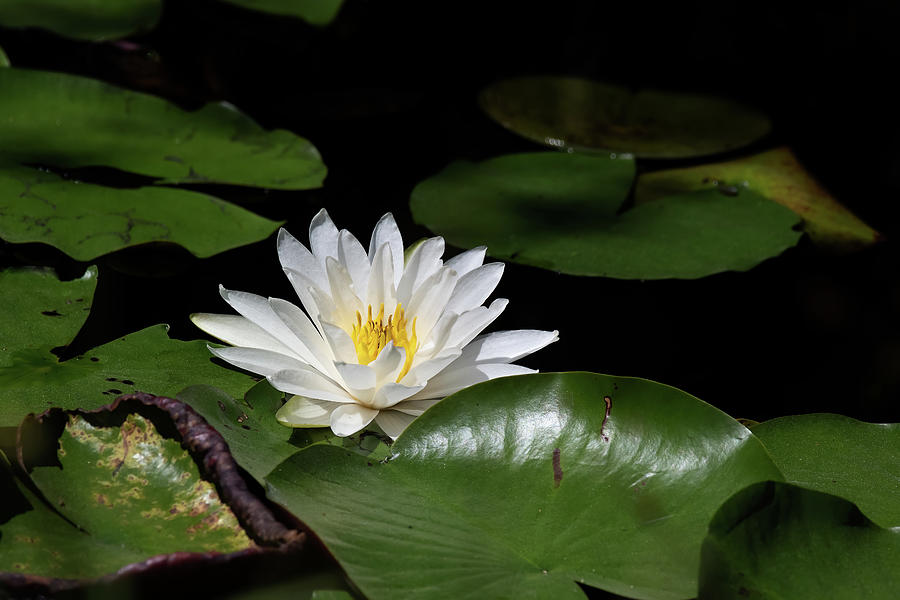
(775, 174)
(86, 220)
(316, 12)
(70, 121)
(773, 541)
(568, 112)
(561, 212)
(83, 19)
(842, 456)
(526, 485)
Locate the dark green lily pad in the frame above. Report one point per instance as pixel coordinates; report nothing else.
(774, 541)
(83, 19)
(128, 493)
(86, 221)
(522, 486)
(777, 175)
(559, 212)
(40, 313)
(315, 12)
(70, 121)
(842, 456)
(568, 112)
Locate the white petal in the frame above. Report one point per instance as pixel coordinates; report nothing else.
(428, 304)
(393, 423)
(238, 331)
(350, 418)
(323, 301)
(257, 309)
(505, 346)
(473, 322)
(358, 379)
(387, 232)
(303, 286)
(341, 345)
(381, 281)
(263, 362)
(424, 262)
(353, 256)
(474, 287)
(309, 383)
(452, 380)
(295, 256)
(388, 364)
(437, 338)
(306, 412)
(346, 302)
(464, 262)
(391, 393)
(323, 237)
(422, 372)
(415, 407)
(320, 355)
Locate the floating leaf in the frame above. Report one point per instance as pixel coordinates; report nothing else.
(86, 221)
(4, 60)
(132, 493)
(842, 456)
(70, 121)
(559, 212)
(778, 176)
(568, 112)
(526, 485)
(41, 313)
(775, 541)
(83, 19)
(316, 12)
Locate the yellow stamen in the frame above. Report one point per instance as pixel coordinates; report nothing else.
(373, 335)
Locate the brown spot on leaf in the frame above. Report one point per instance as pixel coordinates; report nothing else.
(557, 469)
(608, 402)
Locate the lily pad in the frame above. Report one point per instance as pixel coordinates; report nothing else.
(580, 114)
(41, 313)
(128, 494)
(86, 221)
(842, 456)
(774, 541)
(4, 60)
(522, 486)
(70, 121)
(560, 212)
(777, 175)
(315, 12)
(83, 19)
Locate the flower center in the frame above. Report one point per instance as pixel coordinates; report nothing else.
(373, 335)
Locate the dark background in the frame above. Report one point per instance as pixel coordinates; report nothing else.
(387, 93)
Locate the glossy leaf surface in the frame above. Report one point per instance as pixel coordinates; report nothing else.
(567, 112)
(94, 20)
(777, 175)
(559, 212)
(70, 121)
(86, 221)
(842, 456)
(774, 541)
(526, 485)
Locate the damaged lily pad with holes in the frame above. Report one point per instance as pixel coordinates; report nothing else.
(527, 485)
(561, 212)
(39, 313)
(774, 541)
(122, 494)
(842, 456)
(63, 120)
(86, 220)
(579, 114)
(83, 19)
(777, 175)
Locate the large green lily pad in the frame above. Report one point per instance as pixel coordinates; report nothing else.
(774, 541)
(522, 486)
(316, 12)
(40, 313)
(775, 174)
(568, 112)
(70, 121)
(86, 221)
(560, 212)
(842, 456)
(128, 494)
(94, 20)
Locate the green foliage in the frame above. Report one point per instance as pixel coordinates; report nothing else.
(93, 20)
(526, 485)
(316, 12)
(561, 212)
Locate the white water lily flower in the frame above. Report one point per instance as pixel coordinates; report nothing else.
(380, 339)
